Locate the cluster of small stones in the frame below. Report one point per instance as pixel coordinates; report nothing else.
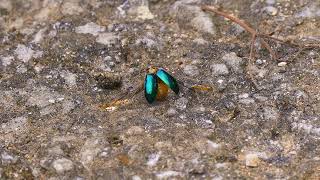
(53, 126)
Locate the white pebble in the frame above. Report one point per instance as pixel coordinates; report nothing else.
(107, 38)
(219, 69)
(24, 53)
(167, 174)
(90, 28)
(191, 70)
(282, 64)
(252, 160)
(153, 159)
(271, 10)
(62, 165)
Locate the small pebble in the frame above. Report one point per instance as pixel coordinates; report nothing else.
(212, 146)
(270, 2)
(7, 158)
(282, 64)
(259, 62)
(105, 152)
(24, 53)
(191, 70)
(62, 165)
(56, 150)
(271, 10)
(153, 159)
(6, 61)
(252, 160)
(246, 101)
(167, 174)
(52, 101)
(234, 62)
(222, 83)
(244, 95)
(135, 177)
(171, 112)
(236, 29)
(200, 41)
(219, 69)
(135, 130)
(181, 103)
(90, 28)
(107, 39)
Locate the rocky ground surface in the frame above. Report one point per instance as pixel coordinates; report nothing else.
(60, 60)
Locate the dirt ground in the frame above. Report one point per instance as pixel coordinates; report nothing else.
(63, 61)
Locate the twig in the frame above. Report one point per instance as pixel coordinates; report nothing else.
(245, 26)
(262, 37)
(301, 47)
(251, 57)
(254, 35)
(268, 47)
(253, 39)
(289, 42)
(298, 53)
(230, 17)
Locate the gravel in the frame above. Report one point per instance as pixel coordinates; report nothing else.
(234, 62)
(219, 69)
(90, 28)
(62, 165)
(191, 70)
(63, 62)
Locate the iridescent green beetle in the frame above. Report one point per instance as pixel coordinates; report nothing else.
(156, 84)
